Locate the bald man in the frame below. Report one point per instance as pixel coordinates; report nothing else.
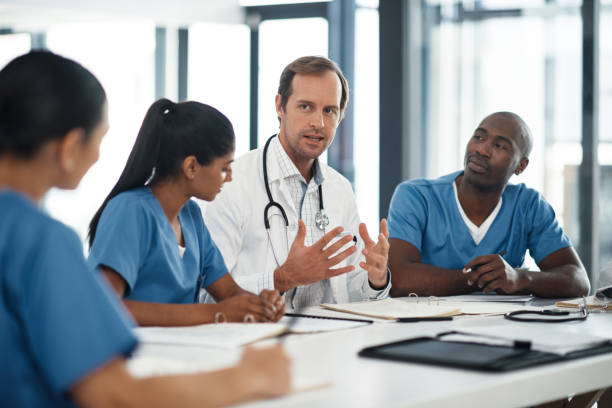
(469, 230)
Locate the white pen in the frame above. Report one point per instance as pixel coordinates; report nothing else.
(502, 253)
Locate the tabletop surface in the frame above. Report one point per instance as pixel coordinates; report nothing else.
(332, 358)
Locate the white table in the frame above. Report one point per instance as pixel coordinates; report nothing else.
(363, 382)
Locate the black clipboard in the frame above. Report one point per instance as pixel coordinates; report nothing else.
(474, 356)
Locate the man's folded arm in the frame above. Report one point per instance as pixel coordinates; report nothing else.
(411, 276)
(562, 275)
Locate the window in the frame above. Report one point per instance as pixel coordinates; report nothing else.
(280, 42)
(219, 73)
(366, 122)
(121, 55)
(13, 45)
(529, 63)
(605, 137)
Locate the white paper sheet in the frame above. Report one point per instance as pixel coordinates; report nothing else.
(394, 309)
(221, 335)
(482, 297)
(543, 338)
(301, 325)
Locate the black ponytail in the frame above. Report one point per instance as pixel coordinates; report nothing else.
(169, 133)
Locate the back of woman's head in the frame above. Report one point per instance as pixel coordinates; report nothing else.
(170, 133)
(42, 97)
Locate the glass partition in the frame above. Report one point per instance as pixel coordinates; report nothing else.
(121, 55)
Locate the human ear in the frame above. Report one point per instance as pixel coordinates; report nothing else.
(521, 166)
(190, 167)
(279, 107)
(69, 150)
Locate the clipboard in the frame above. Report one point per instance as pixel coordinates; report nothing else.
(472, 355)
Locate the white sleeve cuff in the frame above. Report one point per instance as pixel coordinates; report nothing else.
(373, 294)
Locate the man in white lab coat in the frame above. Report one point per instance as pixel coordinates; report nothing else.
(314, 249)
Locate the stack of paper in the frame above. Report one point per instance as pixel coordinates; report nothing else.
(393, 309)
(221, 335)
(485, 308)
(592, 302)
(489, 297)
(232, 335)
(303, 325)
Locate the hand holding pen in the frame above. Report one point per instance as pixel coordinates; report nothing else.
(492, 273)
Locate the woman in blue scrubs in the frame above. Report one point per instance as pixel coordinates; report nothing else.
(148, 237)
(64, 336)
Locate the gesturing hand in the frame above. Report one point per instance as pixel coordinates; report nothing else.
(376, 254)
(309, 264)
(493, 273)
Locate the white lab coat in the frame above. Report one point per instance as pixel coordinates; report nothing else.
(236, 222)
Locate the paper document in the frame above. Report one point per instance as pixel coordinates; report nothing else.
(470, 307)
(487, 308)
(221, 335)
(232, 335)
(302, 325)
(542, 338)
(482, 297)
(592, 302)
(393, 309)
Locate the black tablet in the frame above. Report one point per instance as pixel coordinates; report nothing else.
(475, 356)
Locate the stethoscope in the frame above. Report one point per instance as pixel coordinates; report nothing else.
(548, 316)
(321, 219)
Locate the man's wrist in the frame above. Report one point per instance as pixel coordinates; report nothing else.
(384, 282)
(525, 279)
(280, 283)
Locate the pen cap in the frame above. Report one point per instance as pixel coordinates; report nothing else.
(341, 236)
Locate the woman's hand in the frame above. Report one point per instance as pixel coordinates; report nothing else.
(247, 307)
(266, 371)
(272, 297)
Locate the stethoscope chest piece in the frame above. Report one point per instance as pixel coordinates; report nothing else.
(321, 220)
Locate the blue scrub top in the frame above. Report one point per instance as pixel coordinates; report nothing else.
(135, 239)
(424, 213)
(58, 320)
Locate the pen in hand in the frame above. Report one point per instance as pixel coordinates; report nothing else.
(468, 270)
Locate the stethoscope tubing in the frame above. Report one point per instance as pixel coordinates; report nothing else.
(274, 204)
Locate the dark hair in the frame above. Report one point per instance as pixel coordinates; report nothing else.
(169, 133)
(42, 97)
(311, 65)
